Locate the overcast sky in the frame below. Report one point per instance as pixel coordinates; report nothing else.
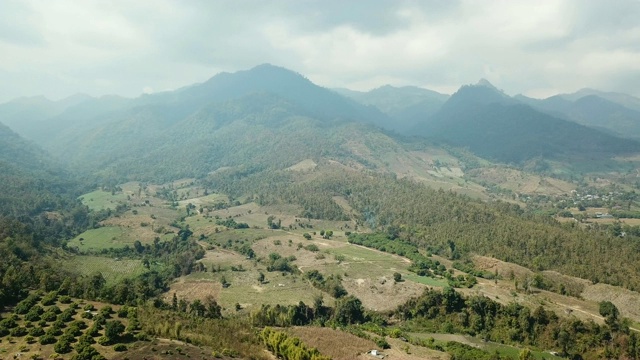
(539, 48)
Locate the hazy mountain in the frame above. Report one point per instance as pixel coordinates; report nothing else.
(406, 106)
(257, 131)
(593, 111)
(31, 181)
(625, 100)
(495, 126)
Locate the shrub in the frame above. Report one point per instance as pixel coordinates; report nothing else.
(49, 316)
(123, 312)
(8, 323)
(65, 299)
(62, 347)
(86, 315)
(104, 341)
(36, 331)
(18, 332)
(120, 347)
(50, 298)
(47, 339)
(382, 342)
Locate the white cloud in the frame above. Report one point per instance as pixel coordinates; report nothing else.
(62, 47)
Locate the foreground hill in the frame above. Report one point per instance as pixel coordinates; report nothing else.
(498, 127)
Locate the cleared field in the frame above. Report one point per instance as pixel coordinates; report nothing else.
(204, 200)
(244, 287)
(109, 237)
(112, 270)
(337, 344)
(101, 238)
(366, 273)
(100, 200)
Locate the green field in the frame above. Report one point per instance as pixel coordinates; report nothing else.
(101, 238)
(492, 347)
(111, 269)
(429, 281)
(108, 237)
(100, 200)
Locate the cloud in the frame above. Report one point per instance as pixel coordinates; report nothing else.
(63, 47)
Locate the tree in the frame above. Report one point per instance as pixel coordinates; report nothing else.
(197, 308)
(349, 310)
(609, 311)
(214, 311)
(397, 277)
(113, 329)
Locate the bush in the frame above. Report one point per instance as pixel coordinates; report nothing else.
(47, 339)
(93, 331)
(18, 332)
(104, 341)
(54, 309)
(87, 315)
(8, 323)
(62, 347)
(123, 312)
(120, 347)
(382, 342)
(65, 299)
(49, 316)
(36, 331)
(50, 298)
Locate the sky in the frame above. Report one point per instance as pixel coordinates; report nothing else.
(537, 48)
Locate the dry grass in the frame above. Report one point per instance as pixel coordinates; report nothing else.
(627, 301)
(304, 165)
(337, 344)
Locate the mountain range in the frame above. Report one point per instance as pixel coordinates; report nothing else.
(269, 116)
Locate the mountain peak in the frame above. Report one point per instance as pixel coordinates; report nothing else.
(485, 83)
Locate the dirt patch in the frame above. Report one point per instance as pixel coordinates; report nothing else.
(304, 165)
(505, 270)
(166, 349)
(192, 290)
(382, 293)
(334, 343)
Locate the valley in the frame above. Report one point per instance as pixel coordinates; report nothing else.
(286, 217)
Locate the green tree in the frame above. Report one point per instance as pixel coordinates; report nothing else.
(113, 329)
(349, 310)
(397, 277)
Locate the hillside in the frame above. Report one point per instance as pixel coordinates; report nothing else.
(498, 127)
(406, 106)
(593, 111)
(32, 182)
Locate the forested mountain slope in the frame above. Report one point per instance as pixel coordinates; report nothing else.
(593, 111)
(406, 106)
(498, 127)
(32, 182)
